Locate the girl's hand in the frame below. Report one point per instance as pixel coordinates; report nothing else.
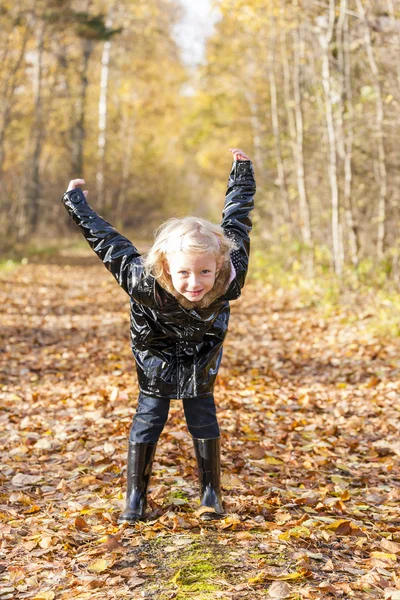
(238, 154)
(74, 183)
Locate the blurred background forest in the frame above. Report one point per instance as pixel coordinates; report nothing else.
(309, 89)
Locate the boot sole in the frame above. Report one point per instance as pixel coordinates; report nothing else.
(130, 520)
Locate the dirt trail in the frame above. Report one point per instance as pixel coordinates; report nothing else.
(309, 412)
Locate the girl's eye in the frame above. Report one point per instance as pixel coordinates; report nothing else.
(185, 272)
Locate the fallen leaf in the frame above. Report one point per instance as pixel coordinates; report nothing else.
(43, 444)
(125, 572)
(113, 545)
(265, 575)
(80, 524)
(99, 565)
(135, 581)
(278, 590)
(183, 541)
(383, 556)
(20, 479)
(392, 547)
(109, 448)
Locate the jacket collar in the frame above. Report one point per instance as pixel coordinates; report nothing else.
(222, 282)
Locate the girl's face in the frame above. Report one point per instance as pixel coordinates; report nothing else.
(193, 275)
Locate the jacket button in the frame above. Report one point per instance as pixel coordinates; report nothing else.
(76, 198)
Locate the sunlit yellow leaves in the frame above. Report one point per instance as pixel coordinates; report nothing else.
(383, 555)
(33, 509)
(268, 576)
(99, 565)
(345, 527)
(345, 496)
(44, 596)
(295, 532)
(272, 460)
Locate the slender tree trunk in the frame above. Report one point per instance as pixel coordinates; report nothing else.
(27, 216)
(325, 39)
(346, 101)
(395, 29)
(287, 92)
(382, 176)
(252, 102)
(275, 126)
(305, 219)
(101, 139)
(79, 131)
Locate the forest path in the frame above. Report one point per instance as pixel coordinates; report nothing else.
(308, 405)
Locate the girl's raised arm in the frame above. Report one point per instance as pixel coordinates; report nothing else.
(117, 253)
(236, 218)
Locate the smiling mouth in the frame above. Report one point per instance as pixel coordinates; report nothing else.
(195, 293)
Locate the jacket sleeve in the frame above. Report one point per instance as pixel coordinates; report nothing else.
(117, 253)
(236, 220)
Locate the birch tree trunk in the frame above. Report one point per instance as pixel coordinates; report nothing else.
(347, 112)
(275, 125)
(382, 176)
(395, 29)
(252, 101)
(102, 123)
(305, 220)
(325, 39)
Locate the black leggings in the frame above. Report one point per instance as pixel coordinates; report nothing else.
(152, 414)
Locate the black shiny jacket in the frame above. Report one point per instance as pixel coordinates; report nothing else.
(177, 350)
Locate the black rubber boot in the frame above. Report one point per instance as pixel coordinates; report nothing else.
(140, 463)
(208, 456)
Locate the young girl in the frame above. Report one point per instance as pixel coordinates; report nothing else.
(179, 297)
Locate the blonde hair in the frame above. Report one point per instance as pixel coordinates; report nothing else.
(192, 235)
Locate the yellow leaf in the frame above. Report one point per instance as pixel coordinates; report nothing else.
(176, 577)
(33, 509)
(244, 535)
(296, 532)
(333, 526)
(384, 555)
(258, 578)
(343, 467)
(271, 460)
(99, 565)
(44, 596)
(290, 576)
(263, 575)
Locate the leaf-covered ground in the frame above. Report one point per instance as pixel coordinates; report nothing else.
(309, 410)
